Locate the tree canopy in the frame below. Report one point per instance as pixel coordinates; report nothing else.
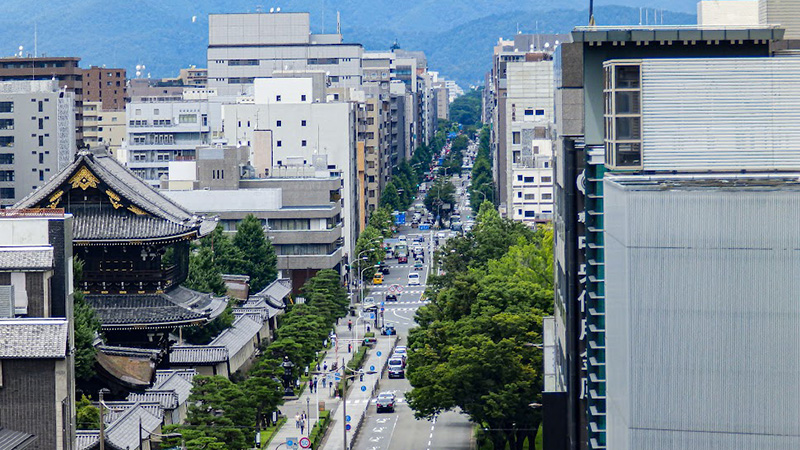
(440, 194)
(473, 349)
(260, 261)
(466, 109)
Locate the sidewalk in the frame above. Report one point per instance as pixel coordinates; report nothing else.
(357, 400)
(308, 401)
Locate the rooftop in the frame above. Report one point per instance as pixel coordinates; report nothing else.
(649, 33)
(33, 338)
(748, 181)
(26, 258)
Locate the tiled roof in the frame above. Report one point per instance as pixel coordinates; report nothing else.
(97, 223)
(197, 354)
(178, 306)
(124, 433)
(177, 384)
(26, 258)
(275, 292)
(126, 185)
(85, 439)
(116, 409)
(134, 369)
(163, 375)
(167, 399)
(33, 338)
(15, 440)
(240, 334)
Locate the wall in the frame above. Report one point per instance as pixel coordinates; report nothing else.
(31, 383)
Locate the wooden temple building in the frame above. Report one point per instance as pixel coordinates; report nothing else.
(134, 243)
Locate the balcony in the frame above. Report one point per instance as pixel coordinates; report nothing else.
(305, 236)
(294, 262)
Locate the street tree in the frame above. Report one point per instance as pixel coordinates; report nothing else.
(440, 199)
(204, 275)
(390, 198)
(369, 248)
(381, 219)
(260, 261)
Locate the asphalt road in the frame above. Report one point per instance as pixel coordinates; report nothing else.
(400, 430)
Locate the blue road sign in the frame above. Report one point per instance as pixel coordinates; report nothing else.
(372, 367)
(363, 388)
(372, 316)
(347, 418)
(290, 441)
(424, 227)
(347, 427)
(381, 308)
(379, 353)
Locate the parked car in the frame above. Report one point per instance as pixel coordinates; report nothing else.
(413, 279)
(396, 368)
(386, 402)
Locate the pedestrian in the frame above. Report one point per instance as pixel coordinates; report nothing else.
(315, 384)
(317, 367)
(302, 426)
(297, 420)
(325, 366)
(310, 386)
(323, 382)
(349, 347)
(350, 325)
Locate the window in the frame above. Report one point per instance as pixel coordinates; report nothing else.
(530, 179)
(138, 112)
(515, 137)
(547, 180)
(519, 177)
(530, 196)
(7, 193)
(528, 112)
(6, 124)
(41, 106)
(187, 118)
(6, 107)
(279, 144)
(290, 224)
(519, 194)
(6, 175)
(41, 124)
(303, 98)
(277, 98)
(547, 196)
(6, 158)
(156, 111)
(303, 143)
(530, 213)
(302, 123)
(539, 112)
(41, 156)
(6, 141)
(243, 62)
(41, 175)
(278, 123)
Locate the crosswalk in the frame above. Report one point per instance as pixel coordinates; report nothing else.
(417, 289)
(371, 401)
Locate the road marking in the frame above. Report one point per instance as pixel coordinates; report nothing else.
(382, 420)
(376, 439)
(378, 429)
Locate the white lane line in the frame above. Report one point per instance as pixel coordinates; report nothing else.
(402, 317)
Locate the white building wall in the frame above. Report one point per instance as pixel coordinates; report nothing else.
(702, 342)
(727, 12)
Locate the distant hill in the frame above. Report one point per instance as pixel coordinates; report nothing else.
(456, 35)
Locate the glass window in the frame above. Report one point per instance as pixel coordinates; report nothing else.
(6, 107)
(6, 141)
(627, 77)
(187, 118)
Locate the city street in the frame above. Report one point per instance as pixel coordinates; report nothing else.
(400, 430)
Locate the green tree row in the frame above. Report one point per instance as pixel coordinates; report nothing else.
(466, 109)
(482, 187)
(440, 198)
(224, 414)
(475, 348)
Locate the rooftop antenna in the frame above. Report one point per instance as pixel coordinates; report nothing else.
(278, 9)
(591, 13)
(323, 16)
(338, 23)
(35, 39)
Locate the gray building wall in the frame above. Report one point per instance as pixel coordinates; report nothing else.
(28, 400)
(37, 136)
(702, 339)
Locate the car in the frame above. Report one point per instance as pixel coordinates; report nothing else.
(378, 278)
(397, 355)
(402, 259)
(417, 265)
(402, 238)
(401, 350)
(369, 304)
(388, 330)
(384, 270)
(391, 297)
(413, 279)
(396, 368)
(386, 402)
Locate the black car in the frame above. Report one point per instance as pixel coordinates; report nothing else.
(385, 270)
(391, 297)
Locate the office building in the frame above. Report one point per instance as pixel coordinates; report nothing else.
(65, 70)
(107, 86)
(103, 127)
(37, 135)
(289, 126)
(299, 204)
(37, 401)
(242, 47)
(532, 180)
(604, 127)
(164, 129)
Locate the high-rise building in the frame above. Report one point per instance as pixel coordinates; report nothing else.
(104, 127)
(613, 121)
(242, 47)
(37, 135)
(63, 69)
(107, 86)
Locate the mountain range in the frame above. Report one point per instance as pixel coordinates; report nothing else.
(456, 35)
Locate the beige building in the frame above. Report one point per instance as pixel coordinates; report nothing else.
(104, 127)
(726, 13)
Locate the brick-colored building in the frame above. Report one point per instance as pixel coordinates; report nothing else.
(106, 86)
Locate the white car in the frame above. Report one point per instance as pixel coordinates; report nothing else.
(413, 279)
(402, 238)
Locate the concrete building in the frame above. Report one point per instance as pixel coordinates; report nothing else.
(37, 401)
(104, 127)
(193, 76)
(532, 181)
(107, 86)
(63, 69)
(301, 206)
(37, 135)
(442, 97)
(785, 13)
(291, 132)
(242, 47)
(163, 129)
(610, 118)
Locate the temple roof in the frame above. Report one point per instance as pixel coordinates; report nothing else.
(176, 307)
(133, 209)
(33, 338)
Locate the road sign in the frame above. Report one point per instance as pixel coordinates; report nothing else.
(291, 442)
(424, 227)
(347, 418)
(347, 427)
(379, 353)
(372, 316)
(363, 388)
(381, 308)
(305, 442)
(371, 368)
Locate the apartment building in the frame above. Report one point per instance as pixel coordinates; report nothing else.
(37, 135)
(618, 120)
(107, 86)
(164, 129)
(301, 207)
(63, 69)
(532, 180)
(243, 47)
(288, 124)
(104, 127)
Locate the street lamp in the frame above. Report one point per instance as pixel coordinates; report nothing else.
(360, 276)
(102, 420)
